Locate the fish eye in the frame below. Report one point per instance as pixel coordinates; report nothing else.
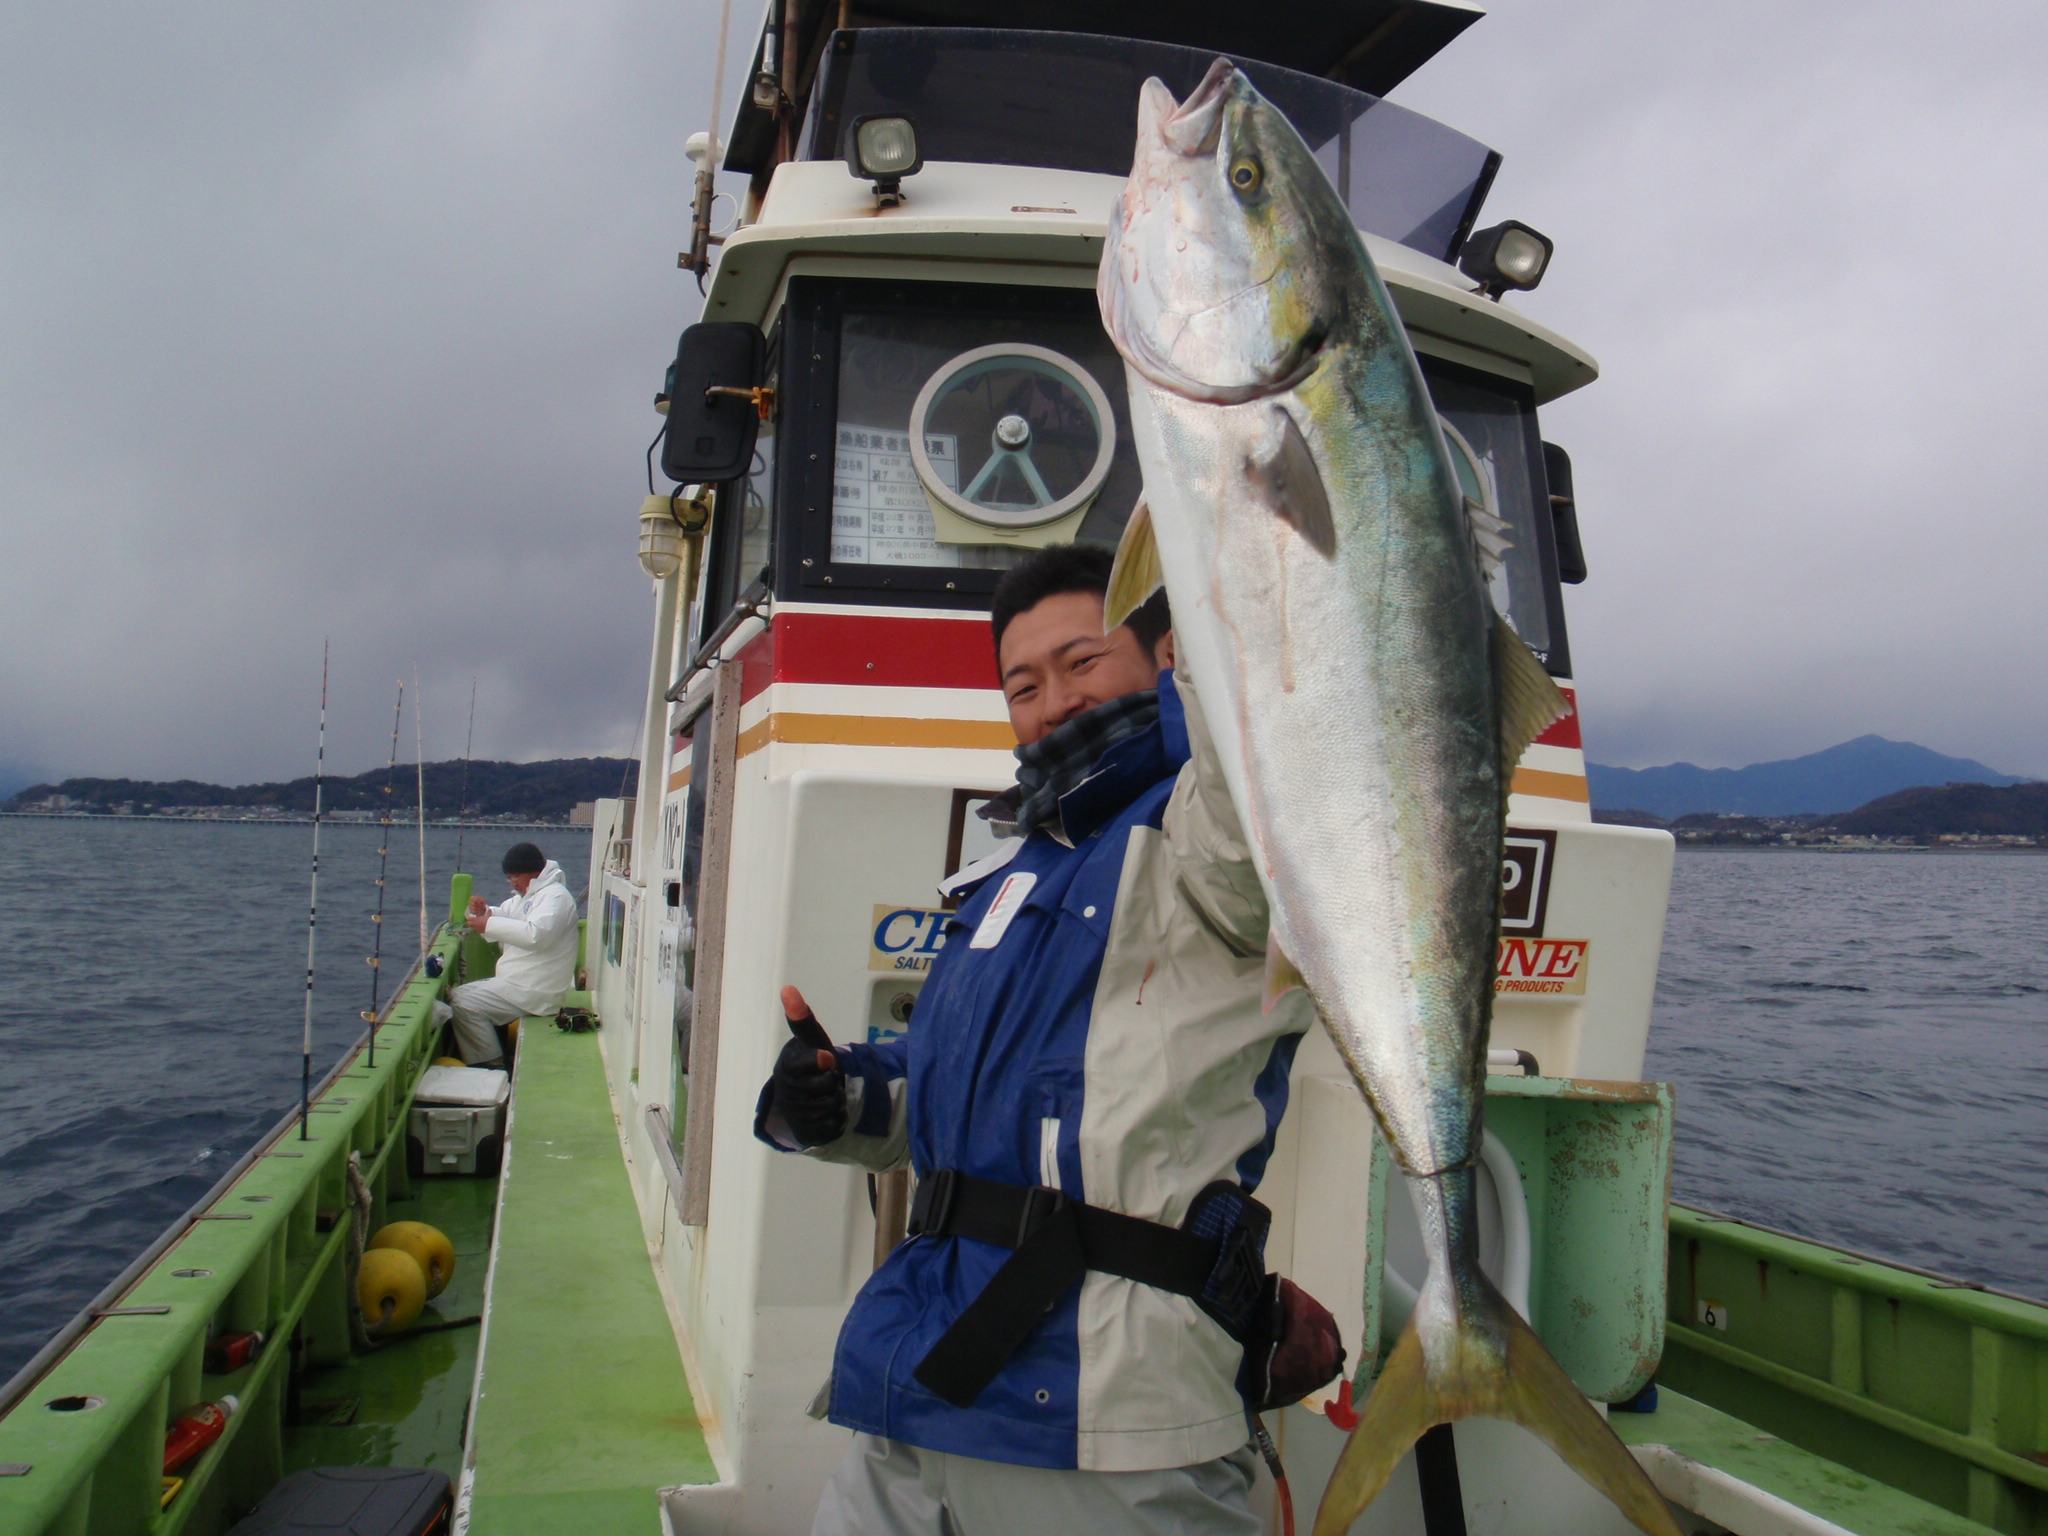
(1245, 175)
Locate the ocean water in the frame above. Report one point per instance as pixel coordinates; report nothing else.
(152, 990)
(1859, 1041)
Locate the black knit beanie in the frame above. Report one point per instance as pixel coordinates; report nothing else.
(524, 859)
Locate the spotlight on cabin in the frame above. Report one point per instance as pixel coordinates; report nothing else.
(884, 150)
(1510, 255)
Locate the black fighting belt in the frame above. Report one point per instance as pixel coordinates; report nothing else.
(1216, 1257)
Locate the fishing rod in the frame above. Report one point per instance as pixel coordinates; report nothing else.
(313, 912)
(420, 816)
(462, 798)
(383, 866)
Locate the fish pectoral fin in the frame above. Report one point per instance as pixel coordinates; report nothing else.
(1529, 703)
(1282, 977)
(1136, 574)
(1284, 467)
(1526, 1386)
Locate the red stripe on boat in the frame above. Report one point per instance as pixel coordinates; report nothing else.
(870, 650)
(1565, 732)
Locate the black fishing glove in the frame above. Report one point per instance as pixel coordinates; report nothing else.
(806, 1097)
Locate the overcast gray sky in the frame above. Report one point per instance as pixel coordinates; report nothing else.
(344, 320)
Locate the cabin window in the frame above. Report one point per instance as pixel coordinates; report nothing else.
(682, 857)
(1495, 419)
(1024, 413)
(858, 524)
(755, 496)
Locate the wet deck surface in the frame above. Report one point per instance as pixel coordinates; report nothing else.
(584, 1410)
(405, 1405)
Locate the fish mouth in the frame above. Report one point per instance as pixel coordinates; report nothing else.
(1194, 126)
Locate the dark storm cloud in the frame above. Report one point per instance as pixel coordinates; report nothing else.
(345, 320)
(331, 320)
(1799, 240)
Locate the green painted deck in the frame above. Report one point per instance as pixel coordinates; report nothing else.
(583, 1410)
(1828, 1489)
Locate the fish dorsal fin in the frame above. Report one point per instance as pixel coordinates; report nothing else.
(1136, 574)
(1528, 701)
(1284, 465)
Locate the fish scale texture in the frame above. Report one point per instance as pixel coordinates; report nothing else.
(583, 1409)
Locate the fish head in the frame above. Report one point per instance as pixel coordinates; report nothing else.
(1217, 278)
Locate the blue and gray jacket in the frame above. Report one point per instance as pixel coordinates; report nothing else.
(1093, 1023)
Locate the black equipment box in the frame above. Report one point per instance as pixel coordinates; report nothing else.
(353, 1501)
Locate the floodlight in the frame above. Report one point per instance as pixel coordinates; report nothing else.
(1510, 255)
(884, 150)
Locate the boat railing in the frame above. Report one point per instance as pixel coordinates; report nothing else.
(1935, 1386)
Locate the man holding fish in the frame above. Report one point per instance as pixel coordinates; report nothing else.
(1089, 1093)
(1334, 839)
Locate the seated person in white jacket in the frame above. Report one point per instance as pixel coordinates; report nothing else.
(536, 937)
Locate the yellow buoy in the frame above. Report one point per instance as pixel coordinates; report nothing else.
(429, 1247)
(450, 1061)
(391, 1288)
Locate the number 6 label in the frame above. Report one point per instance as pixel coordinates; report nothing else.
(1713, 1315)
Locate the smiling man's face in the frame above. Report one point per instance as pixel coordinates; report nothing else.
(1057, 663)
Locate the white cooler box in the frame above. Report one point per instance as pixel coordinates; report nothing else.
(458, 1120)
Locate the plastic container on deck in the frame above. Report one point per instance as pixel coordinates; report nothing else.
(457, 1123)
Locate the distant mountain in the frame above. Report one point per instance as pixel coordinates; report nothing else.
(2012, 810)
(1819, 784)
(544, 791)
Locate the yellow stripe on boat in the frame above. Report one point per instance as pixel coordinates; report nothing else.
(877, 731)
(1551, 786)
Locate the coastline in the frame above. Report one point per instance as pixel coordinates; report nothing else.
(340, 819)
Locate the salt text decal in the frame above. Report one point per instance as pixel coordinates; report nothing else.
(906, 938)
(1553, 967)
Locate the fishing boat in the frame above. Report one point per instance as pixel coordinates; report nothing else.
(900, 383)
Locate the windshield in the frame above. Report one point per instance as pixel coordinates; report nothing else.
(1022, 427)
(1069, 102)
(934, 433)
(1497, 455)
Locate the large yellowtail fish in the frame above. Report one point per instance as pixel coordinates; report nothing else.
(1328, 583)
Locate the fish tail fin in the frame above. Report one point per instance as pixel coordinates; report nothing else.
(1400, 1407)
(1523, 1384)
(1545, 1401)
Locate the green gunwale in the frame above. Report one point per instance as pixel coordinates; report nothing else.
(266, 1264)
(1933, 1386)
